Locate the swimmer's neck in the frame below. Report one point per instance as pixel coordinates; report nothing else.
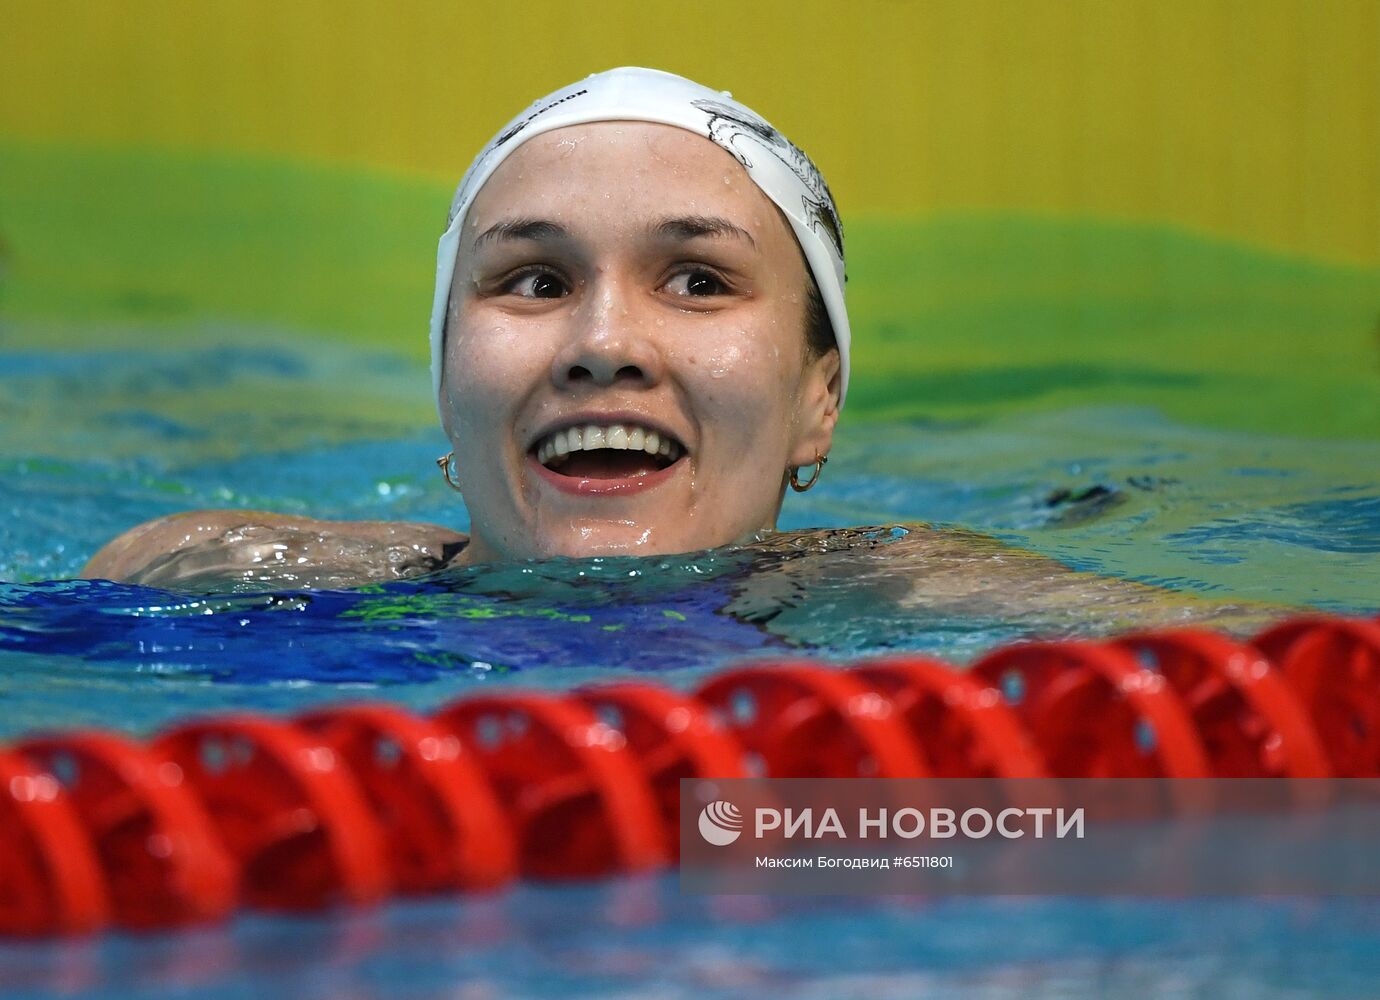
(475, 551)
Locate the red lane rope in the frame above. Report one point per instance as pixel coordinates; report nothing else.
(800, 720)
(50, 880)
(350, 804)
(288, 810)
(441, 822)
(1094, 711)
(962, 727)
(1249, 719)
(577, 801)
(672, 736)
(1334, 667)
(156, 845)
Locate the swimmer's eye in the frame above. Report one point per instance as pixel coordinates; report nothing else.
(697, 282)
(536, 283)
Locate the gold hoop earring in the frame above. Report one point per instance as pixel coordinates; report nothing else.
(819, 467)
(445, 462)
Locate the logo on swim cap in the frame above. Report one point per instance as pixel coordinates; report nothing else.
(729, 123)
(721, 823)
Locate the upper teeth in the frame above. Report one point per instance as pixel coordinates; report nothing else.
(590, 437)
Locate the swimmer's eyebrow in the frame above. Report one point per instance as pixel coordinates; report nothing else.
(689, 227)
(522, 229)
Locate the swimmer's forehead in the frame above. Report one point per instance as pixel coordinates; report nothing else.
(647, 173)
(670, 141)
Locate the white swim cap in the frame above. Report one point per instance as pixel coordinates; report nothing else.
(780, 169)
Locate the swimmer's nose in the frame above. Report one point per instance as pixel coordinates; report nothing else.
(599, 374)
(608, 348)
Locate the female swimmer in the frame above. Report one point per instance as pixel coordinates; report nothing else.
(639, 340)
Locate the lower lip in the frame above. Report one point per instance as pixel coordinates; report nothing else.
(603, 487)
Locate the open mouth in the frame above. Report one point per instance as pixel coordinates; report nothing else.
(607, 451)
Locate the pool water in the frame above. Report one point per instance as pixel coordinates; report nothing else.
(95, 441)
(643, 940)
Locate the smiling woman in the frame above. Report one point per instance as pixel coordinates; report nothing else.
(638, 339)
(622, 371)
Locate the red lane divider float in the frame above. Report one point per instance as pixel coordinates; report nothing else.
(961, 726)
(800, 720)
(442, 825)
(157, 846)
(578, 803)
(1094, 711)
(1334, 667)
(673, 737)
(296, 822)
(349, 804)
(50, 879)
(1251, 723)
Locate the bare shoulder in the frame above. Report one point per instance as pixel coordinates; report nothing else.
(132, 550)
(262, 549)
(954, 573)
(954, 569)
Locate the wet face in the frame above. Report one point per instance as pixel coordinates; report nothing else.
(625, 363)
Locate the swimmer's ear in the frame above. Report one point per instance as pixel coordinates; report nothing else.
(834, 380)
(446, 408)
(818, 410)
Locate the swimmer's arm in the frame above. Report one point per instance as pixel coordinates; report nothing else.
(209, 548)
(953, 573)
(962, 569)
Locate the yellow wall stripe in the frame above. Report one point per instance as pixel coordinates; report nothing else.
(1254, 119)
